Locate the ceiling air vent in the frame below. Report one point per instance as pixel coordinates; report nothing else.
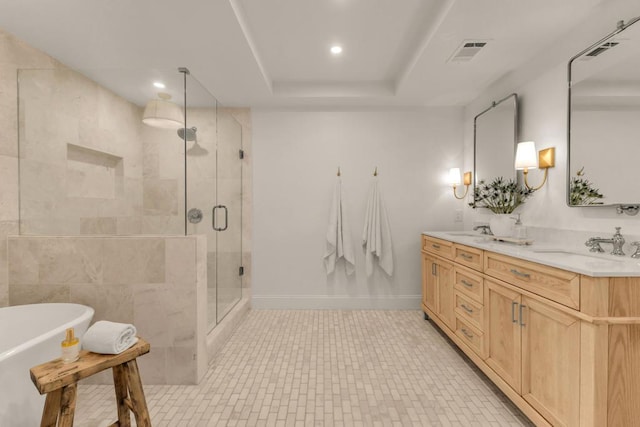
(601, 49)
(467, 50)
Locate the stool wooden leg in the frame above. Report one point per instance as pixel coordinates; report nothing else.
(51, 409)
(137, 395)
(68, 405)
(122, 389)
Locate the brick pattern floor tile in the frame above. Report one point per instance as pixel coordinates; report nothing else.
(325, 368)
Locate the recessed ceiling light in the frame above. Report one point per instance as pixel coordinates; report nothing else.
(159, 85)
(336, 50)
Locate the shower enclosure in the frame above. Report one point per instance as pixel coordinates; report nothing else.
(214, 195)
(90, 167)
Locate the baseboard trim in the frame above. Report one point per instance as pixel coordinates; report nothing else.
(343, 302)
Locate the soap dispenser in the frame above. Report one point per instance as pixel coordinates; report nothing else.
(519, 230)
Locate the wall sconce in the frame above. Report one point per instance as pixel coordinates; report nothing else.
(527, 158)
(162, 113)
(454, 178)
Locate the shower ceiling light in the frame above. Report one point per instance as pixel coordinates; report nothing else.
(159, 85)
(336, 49)
(162, 113)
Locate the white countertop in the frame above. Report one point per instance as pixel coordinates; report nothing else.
(553, 255)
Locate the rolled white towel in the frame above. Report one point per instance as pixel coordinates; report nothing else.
(109, 337)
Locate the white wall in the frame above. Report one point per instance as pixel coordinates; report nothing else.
(608, 138)
(541, 85)
(296, 155)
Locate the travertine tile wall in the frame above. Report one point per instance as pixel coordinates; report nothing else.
(163, 182)
(156, 283)
(14, 54)
(163, 174)
(80, 156)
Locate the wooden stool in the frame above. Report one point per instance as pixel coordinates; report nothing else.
(60, 381)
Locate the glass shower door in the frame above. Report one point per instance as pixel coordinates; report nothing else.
(228, 213)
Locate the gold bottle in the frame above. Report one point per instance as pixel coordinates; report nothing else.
(70, 347)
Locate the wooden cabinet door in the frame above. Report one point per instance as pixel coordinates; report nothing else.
(445, 297)
(551, 362)
(504, 354)
(429, 282)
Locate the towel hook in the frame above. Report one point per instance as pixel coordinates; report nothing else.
(375, 172)
(338, 174)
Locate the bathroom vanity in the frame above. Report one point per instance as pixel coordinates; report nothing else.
(557, 331)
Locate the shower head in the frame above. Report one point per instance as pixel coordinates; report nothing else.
(188, 133)
(197, 150)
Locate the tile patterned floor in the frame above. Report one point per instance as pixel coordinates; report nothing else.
(325, 368)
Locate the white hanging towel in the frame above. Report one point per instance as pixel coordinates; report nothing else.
(376, 237)
(339, 244)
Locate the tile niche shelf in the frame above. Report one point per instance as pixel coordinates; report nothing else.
(93, 174)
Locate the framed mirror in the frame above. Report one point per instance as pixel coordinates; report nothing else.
(495, 132)
(604, 121)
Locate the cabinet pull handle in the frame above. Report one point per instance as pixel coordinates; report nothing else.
(521, 317)
(520, 273)
(467, 284)
(435, 246)
(467, 334)
(466, 256)
(513, 312)
(467, 309)
(433, 269)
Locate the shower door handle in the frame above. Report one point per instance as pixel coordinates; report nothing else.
(226, 218)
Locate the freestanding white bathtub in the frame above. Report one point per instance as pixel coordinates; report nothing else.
(31, 335)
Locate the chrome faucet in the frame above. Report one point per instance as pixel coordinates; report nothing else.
(617, 241)
(485, 229)
(636, 254)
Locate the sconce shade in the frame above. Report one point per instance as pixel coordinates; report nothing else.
(454, 176)
(467, 178)
(527, 158)
(162, 113)
(526, 155)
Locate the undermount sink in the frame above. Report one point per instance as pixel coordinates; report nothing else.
(464, 233)
(576, 254)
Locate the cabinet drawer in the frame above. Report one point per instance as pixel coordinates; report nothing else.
(558, 285)
(437, 246)
(465, 255)
(469, 284)
(470, 311)
(471, 336)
